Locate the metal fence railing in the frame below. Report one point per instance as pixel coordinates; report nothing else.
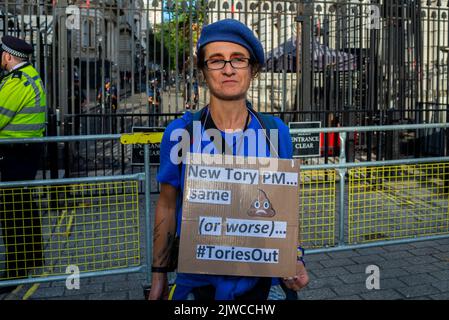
(97, 224)
(105, 157)
(94, 226)
(317, 218)
(372, 203)
(321, 55)
(396, 202)
(333, 62)
(101, 224)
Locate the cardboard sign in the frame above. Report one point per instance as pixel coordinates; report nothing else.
(239, 219)
(305, 144)
(137, 149)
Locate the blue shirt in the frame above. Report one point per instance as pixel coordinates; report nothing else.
(169, 172)
(227, 287)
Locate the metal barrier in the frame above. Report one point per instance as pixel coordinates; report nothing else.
(317, 208)
(394, 202)
(92, 223)
(107, 157)
(384, 202)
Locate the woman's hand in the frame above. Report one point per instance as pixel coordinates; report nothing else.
(159, 287)
(299, 281)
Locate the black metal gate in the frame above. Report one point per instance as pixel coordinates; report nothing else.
(343, 63)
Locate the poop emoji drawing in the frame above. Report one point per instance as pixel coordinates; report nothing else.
(261, 206)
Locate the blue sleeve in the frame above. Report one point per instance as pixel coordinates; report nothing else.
(285, 140)
(168, 170)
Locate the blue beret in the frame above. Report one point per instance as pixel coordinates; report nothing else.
(230, 30)
(16, 47)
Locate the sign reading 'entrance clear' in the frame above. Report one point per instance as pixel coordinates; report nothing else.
(305, 144)
(138, 151)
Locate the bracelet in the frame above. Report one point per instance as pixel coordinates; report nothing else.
(300, 255)
(160, 269)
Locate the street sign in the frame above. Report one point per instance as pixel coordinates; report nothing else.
(137, 151)
(305, 144)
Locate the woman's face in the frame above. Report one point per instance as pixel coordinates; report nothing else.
(228, 83)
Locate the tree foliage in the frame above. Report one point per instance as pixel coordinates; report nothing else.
(180, 29)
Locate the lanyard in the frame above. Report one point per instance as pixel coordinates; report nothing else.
(208, 123)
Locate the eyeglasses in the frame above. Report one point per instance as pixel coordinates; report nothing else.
(236, 63)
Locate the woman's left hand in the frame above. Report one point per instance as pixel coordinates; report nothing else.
(299, 281)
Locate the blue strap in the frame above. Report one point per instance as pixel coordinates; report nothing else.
(300, 255)
(196, 116)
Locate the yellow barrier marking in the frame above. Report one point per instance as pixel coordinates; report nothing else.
(172, 292)
(31, 291)
(35, 286)
(400, 200)
(11, 295)
(69, 224)
(84, 204)
(141, 138)
(17, 289)
(61, 218)
(390, 192)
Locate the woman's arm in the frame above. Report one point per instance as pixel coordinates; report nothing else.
(164, 236)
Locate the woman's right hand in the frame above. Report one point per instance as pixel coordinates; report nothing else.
(159, 287)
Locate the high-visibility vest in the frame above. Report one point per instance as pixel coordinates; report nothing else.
(23, 107)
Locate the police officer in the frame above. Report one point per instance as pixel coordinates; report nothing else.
(22, 115)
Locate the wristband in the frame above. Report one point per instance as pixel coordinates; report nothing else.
(160, 269)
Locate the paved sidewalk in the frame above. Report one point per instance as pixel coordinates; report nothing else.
(408, 271)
